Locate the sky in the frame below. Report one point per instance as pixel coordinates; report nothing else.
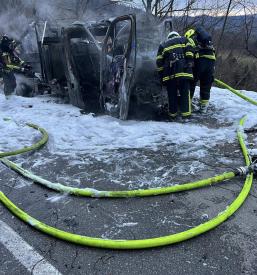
(238, 10)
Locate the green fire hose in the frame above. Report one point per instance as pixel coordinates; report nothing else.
(90, 192)
(132, 244)
(33, 147)
(223, 85)
(142, 243)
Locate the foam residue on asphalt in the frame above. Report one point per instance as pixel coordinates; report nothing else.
(123, 146)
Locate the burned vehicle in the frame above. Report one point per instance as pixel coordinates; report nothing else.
(106, 66)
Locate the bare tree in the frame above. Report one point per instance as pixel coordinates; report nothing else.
(158, 7)
(249, 20)
(80, 8)
(224, 24)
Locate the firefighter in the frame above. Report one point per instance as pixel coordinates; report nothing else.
(204, 64)
(9, 64)
(174, 64)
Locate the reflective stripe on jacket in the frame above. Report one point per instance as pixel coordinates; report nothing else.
(200, 52)
(11, 62)
(173, 59)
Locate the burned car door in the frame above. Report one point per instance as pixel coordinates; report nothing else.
(50, 51)
(117, 66)
(82, 58)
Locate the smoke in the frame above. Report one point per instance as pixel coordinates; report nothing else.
(99, 10)
(13, 24)
(16, 20)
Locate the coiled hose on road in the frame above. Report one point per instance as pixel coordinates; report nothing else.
(142, 243)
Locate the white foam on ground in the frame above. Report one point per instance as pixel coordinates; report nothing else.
(72, 135)
(70, 132)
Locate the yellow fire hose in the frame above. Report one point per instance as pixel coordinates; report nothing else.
(223, 85)
(33, 147)
(144, 243)
(90, 192)
(131, 244)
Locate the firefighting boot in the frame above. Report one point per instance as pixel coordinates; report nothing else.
(8, 97)
(172, 116)
(203, 106)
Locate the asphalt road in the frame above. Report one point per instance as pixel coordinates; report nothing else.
(231, 248)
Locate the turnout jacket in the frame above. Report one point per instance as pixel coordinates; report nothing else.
(9, 61)
(207, 52)
(174, 59)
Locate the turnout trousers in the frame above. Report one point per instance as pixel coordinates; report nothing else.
(179, 97)
(203, 71)
(9, 83)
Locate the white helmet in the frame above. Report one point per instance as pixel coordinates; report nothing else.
(171, 34)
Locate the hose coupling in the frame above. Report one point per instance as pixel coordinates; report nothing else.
(243, 171)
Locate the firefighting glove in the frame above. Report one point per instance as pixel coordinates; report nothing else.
(27, 66)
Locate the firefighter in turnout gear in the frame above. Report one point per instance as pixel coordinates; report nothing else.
(174, 64)
(9, 64)
(204, 64)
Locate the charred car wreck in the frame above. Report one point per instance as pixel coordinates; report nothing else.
(107, 67)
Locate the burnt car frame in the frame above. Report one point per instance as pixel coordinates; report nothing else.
(100, 67)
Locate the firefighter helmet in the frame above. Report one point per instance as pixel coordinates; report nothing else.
(172, 34)
(7, 44)
(189, 33)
